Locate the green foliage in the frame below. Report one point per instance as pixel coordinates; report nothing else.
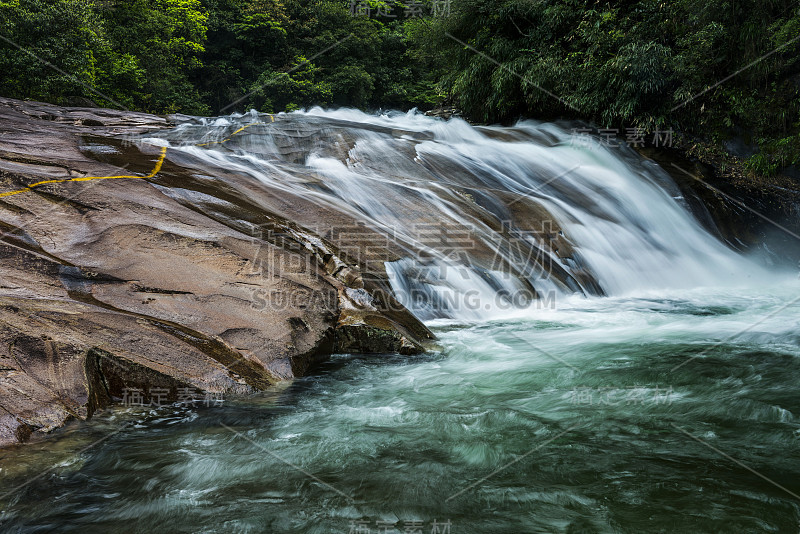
(132, 53)
(643, 63)
(166, 38)
(199, 56)
(775, 154)
(58, 34)
(286, 91)
(631, 63)
(254, 48)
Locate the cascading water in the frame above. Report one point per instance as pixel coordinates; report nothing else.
(476, 209)
(657, 394)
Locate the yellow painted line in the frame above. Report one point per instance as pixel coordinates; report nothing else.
(155, 170)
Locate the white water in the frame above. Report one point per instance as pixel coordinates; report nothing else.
(665, 407)
(624, 216)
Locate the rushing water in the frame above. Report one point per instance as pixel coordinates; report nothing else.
(668, 405)
(494, 192)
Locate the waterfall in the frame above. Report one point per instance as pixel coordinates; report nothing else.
(480, 220)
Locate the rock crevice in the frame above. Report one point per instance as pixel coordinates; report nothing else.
(158, 286)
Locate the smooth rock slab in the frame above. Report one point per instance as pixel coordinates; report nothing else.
(114, 286)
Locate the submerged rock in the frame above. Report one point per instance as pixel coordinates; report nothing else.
(161, 285)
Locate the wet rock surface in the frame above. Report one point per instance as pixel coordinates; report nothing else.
(226, 262)
(164, 283)
(759, 216)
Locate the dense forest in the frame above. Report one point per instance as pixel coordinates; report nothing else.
(712, 69)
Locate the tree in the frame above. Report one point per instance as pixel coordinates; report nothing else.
(164, 38)
(53, 49)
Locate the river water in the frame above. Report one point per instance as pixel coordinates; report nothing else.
(667, 403)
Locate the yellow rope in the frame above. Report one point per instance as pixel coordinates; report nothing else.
(155, 170)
